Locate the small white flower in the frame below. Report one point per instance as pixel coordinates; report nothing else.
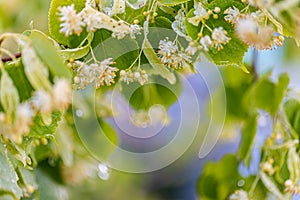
(126, 77)
(62, 93)
(158, 114)
(23, 121)
(200, 14)
(141, 77)
(99, 74)
(219, 36)
(138, 76)
(239, 195)
(141, 119)
(91, 18)
(42, 101)
(171, 56)
(135, 30)
(232, 14)
(191, 49)
(167, 48)
(71, 21)
(206, 42)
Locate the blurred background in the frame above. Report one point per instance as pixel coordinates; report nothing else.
(177, 181)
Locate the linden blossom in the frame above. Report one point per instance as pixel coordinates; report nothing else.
(130, 76)
(93, 20)
(98, 74)
(71, 21)
(171, 56)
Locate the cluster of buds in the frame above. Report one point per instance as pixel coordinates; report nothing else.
(73, 22)
(268, 167)
(291, 187)
(202, 14)
(98, 74)
(157, 114)
(171, 56)
(239, 195)
(250, 29)
(217, 39)
(130, 76)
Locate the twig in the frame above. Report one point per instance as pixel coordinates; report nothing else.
(8, 58)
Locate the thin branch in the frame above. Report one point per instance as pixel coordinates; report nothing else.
(8, 58)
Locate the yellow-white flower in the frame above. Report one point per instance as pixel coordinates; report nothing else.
(71, 21)
(98, 74)
(219, 36)
(206, 42)
(62, 94)
(200, 14)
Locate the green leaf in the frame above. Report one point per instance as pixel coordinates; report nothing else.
(49, 54)
(123, 51)
(17, 74)
(156, 64)
(219, 179)
(237, 83)
(248, 137)
(268, 95)
(292, 112)
(161, 92)
(49, 189)
(79, 52)
(9, 95)
(6, 197)
(40, 129)
(233, 53)
(8, 176)
(172, 2)
(28, 178)
(54, 23)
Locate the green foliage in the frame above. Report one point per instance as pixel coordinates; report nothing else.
(160, 92)
(8, 177)
(261, 92)
(159, 68)
(248, 136)
(123, 52)
(51, 155)
(292, 111)
(40, 129)
(17, 74)
(219, 180)
(49, 55)
(233, 53)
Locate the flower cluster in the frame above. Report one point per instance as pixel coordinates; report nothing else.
(98, 74)
(217, 39)
(291, 187)
(171, 56)
(200, 14)
(239, 195)
(93, 20)
(250, 29)
(157, 114)
(130, 76)
(43, 103)
(267, 167)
